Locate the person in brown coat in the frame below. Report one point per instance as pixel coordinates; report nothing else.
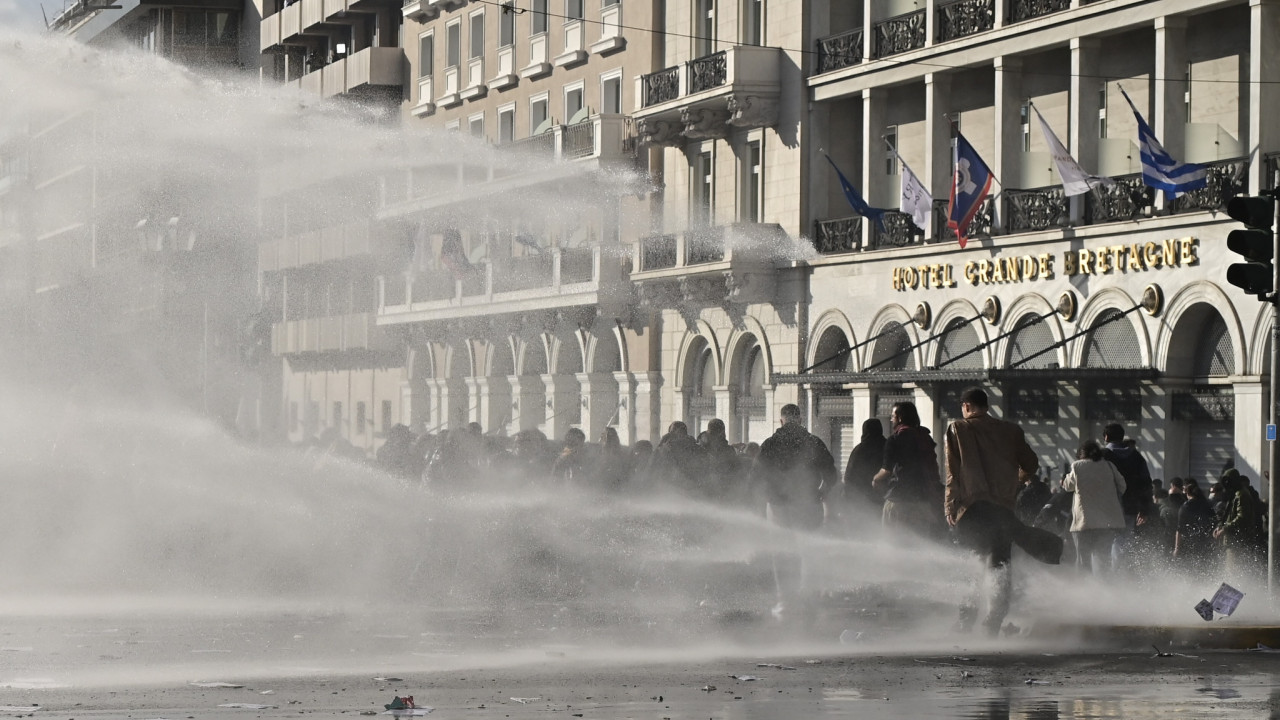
(987, 460)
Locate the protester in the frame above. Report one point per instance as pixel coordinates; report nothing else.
(1032, 498)
(1137, 498)
(679, 462)
(909, 474)
(1193, 541)
(859, 497)
(986, 459)
(723, 463)
(612, 463)
(794, 468)
(572, 464)
(1096, 512)
(1239, 527)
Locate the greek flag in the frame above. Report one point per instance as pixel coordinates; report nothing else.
(1159, 169)
(856, 201)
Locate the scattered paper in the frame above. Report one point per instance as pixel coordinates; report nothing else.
(267, 692)
(246, 706)
(389, 679)
(216, 685)
(774, 665)
(409, 712)
(526, 701)
(1226, 600)
(1205, 608)
(745, 678)
(1033, 681)
(19, 708)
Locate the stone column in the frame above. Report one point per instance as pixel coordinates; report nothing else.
(1071, 423)
(564, 404)
(433, 419)
(1008, 145)
(626, 422)
(453, 405)
(647, 406)
(1083, 137)
(1251, 426)
(600, 391)
(724, 409)
(1264, 88)
(873, 124)
(1170, 106)
(936, 174)
(528, 402)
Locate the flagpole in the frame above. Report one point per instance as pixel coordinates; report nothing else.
(994, 177)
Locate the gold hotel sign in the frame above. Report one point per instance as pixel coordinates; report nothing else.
(1134, 257)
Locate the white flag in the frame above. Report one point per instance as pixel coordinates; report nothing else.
(1075, 181)
(916, 200)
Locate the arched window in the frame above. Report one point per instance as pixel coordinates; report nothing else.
(892, 350)
(960, 338)
(1029, 339)
(833, 344)
(1112, 343)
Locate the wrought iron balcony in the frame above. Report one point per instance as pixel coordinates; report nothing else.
(840, 51)
(579, 140)
(1126, 200)
(657, 252)
(522, 273)
(705, 246)
(1226, 179)
(709, 71)
(965, 17)
(1020, 10)
(1040, 209)
(981, 224)
(841, 235)
(661, 86)
(898, 231)
(900, 34)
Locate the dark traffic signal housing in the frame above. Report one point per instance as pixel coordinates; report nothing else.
(1255, 244)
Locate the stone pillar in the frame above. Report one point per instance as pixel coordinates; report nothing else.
(863, 404)
(433, 419)
(1251, 427)
(454, 404)
(600, 391)
(724, 409)
(495, 412)
(927, 405)
(873, 123)
(936, 174)
(528, 402)
(647, 406)
(1071, 423)
(1083, 137)
(564, 404)
(1170, 106)
(1008, 145)
(626, 422)
(1264, 88)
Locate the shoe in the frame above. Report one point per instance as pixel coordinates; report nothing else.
(398, 704)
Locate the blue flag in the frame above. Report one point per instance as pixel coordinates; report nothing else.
(970, 184)
(1159, 169)
(859, 205)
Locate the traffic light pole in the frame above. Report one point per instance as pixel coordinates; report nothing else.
(1273, 446)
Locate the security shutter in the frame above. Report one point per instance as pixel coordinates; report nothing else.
(1212, 445)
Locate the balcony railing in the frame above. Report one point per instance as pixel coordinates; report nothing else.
(1127, 199)
(657, 252)
(577, 265)
(705, 246)
(840, 51)
(1039, 209)
(541, 144)
(965, 17)
(841, 235)
(1226, 179)
(980, 225)
(353, 331)
(579, 140)
(1020, 10)
(522, 273)
(899, 231)
(661, 86)
(708, 72)
(900, 34)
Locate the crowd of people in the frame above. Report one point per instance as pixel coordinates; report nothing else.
(1106, 514)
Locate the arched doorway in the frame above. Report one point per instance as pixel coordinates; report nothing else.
(751, 420)
(699, 386)
(891, 352)
(1202, 355)
(1113, 345)
(833, 405)
(1032, 399)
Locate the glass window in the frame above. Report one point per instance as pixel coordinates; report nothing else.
(477, 36)
(704, 24)
(539, 22)
(752, 183)
(386, 415)
(426, 55)
(506, 125)
(537, 114)
(703, 178)
(361, 417)
(476, 127)
(453, 41)
(611, 96)
(572, 104)
(573, 9)
(506, 28)
(753, 22)
(891, 150)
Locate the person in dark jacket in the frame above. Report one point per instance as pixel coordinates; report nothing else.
(1193, 543)
(794, 468)
(864, 463)
(1032, 498)
(680, 462)
(1138, 493)
(909, 475)
(723, 463)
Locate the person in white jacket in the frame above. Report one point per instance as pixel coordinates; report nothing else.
(1097, 516)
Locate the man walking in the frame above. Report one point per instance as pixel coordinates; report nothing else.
(1137, 498)
(795, 468)
(987, 462)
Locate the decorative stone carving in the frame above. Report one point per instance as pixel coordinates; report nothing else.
(652, 131)
(705, 123)
(753, 111)
(701, 289)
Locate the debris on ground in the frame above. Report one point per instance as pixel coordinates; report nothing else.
(401, 703)
(775, 665)
(744, 678)
(525, 701)
(708, 688)
(215, 685)
(389, 679)
(410, 712)
(246, 706)
(1033, 681)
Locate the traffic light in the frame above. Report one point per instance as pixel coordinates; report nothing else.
(1256, 245)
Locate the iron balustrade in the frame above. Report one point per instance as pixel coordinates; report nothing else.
(576, 265)
(898, 231)
(1020, 10)
(900, 33)
(1038, 209)
(965, 17)
(980, 225)
(657, 252)
(1126, 200)
(429, 285)
(522, 273)
(661, 86)
(707, 72)
(541, 144)
(705, 246)
(840, 51)
(841, 235)
(630, 138)
(1224, 180)
(579, 140)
